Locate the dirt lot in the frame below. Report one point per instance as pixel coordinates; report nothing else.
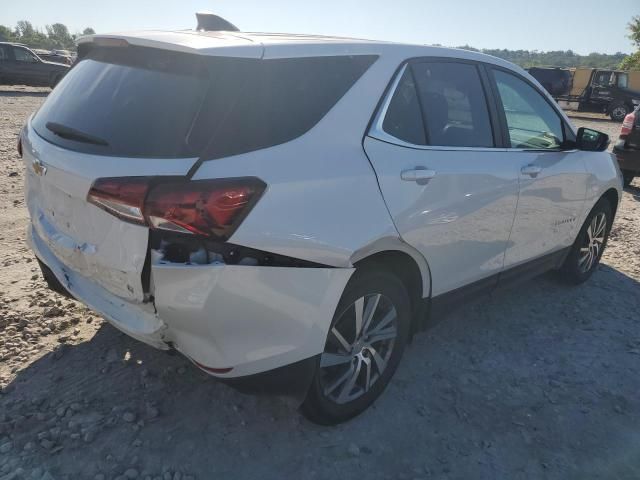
(538, 382)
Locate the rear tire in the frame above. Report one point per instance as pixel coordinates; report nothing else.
(627, 177)
(354, 369)
(586, 251)
(618, 111)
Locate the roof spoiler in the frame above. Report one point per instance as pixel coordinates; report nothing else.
(210, 22)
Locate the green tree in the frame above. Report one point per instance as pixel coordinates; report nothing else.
(30, 36)
(557, 58)
(88, 31)
(58, 36)
(632, 62)
(24, 29)
(634, 28)
(6, 34)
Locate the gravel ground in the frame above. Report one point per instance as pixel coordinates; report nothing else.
(538, 382)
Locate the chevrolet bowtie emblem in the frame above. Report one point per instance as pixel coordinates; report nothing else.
(39, 167)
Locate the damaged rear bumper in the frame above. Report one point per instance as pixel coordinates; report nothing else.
(231, 320)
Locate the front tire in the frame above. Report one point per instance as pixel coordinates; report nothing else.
(585, 254)
(367, 338)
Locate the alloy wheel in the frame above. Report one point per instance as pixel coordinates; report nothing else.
(593, 243)
(358, 348)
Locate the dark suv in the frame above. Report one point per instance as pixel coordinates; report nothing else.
(627, 148)
(20, 66)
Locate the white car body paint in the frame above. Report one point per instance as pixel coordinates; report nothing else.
(333, 197)
(552, 203)
(92, 242)
(250, 318)
(461, 219)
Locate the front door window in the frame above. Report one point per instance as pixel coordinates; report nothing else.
(532, 122)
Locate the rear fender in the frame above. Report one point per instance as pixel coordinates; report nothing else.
(248, 318)
(390, 244)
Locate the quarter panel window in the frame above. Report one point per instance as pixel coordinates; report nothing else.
(404, 119)
(532, 122)
(454, 105)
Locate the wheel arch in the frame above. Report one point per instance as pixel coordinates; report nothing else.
(400, 258)
(612, 196)
(395, 256)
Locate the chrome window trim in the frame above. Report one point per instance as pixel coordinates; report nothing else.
(377, 131)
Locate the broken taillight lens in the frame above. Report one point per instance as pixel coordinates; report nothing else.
(627, 124)
(212, 208)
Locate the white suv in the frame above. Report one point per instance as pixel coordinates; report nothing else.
(289, 209)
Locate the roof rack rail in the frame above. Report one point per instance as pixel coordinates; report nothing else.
(210, 22)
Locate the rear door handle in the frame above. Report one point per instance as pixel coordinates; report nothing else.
(420, 175)
(532, 170)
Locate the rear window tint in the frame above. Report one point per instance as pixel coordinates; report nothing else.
(270, 102)
(454, 104)
(152, 103)
(139, 103)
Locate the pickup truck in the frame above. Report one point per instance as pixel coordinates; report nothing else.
(19, 65)
(613, 92)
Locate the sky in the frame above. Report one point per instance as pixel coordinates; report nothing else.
(583, 26)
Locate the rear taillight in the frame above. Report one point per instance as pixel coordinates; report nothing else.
(122, 197)
(212, 208)
(627, 124)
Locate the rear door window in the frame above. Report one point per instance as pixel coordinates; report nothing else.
(143, 102)
(454, 104)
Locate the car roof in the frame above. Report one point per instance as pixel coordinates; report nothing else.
(14, 44)
(280, 45)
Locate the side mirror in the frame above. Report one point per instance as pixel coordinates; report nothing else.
(591, 140)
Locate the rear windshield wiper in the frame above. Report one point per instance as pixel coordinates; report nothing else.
(73, 134)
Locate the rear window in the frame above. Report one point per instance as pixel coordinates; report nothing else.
(141, 102)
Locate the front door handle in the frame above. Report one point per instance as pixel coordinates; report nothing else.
(420, 175)
(532, 170)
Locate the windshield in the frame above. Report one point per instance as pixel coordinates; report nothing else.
(141, 102)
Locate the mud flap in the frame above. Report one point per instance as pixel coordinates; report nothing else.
(291, 381)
